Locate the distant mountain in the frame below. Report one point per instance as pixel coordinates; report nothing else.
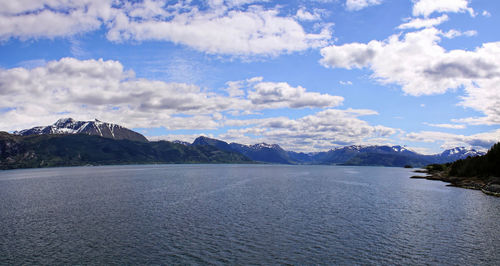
(48, 150)
(97, 128)
(455, 154)
(262, 152)
(349, 155)
(390, 156)
(185, 143)
(338, 155)
(370, 155)
(205, 141)
(259, 152)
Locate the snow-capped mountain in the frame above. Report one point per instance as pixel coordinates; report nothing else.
(96, 127)
(262, 152)
(260, 146)
(351, 155)
(459, 153)
(185, 143)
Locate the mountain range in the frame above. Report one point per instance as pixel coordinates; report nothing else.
(51, 150)
(349, 155)
(96, 128)
(71, 142)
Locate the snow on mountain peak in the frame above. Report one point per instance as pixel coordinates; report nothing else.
(399, 148)
(461, 152)
(71, 126)
(63, 122)
(265, 145)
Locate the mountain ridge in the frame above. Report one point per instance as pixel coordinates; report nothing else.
(378, 155)
(96, 127)
(54, 150)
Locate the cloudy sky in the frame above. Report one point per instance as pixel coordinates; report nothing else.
(306, 74)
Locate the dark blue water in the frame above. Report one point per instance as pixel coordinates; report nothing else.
(242, 214)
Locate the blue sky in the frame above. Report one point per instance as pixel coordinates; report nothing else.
(309, 75)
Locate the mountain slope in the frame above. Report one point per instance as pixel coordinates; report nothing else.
(97, 128)
(454, 154)
(205, 141)
(80, 149)
(389, 156)
(263, 152)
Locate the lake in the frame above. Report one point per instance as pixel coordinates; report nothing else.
(242, 214)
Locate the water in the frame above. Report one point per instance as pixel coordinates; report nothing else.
(242, 214)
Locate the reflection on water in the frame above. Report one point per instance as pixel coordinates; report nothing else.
(235, 214)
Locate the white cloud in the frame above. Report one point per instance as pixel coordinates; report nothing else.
(235, 32)
(303, 14)
(352, 55)
(481, 141)
(345, 83)
(87, 89)
(427, 7)
(319, 131)
(452, 126)
(485, 13)
(418, 23)
(355, 5)
(416, 62)
(226, 27)
(281, 94)
(49, 19)
(455, 33)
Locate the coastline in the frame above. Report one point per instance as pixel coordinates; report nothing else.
(492, 187)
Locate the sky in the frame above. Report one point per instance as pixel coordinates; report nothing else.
(309, 75)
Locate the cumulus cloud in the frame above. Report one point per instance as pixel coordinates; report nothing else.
(355, 5)
(88, 89)
(485, 13)
(322, 130)
(49, 19)
(281, 94)
(352, 55)
(451, 126)
(455, 33)
(416, 62)
(253, 31)
(427, 7)
(303, 14)
(481, 141)
(225, 27)
(418, 23)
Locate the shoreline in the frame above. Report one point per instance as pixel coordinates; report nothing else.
(488, 188)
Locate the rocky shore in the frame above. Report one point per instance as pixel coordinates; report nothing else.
(490, 187)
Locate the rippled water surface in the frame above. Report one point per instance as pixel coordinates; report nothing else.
(242, 214)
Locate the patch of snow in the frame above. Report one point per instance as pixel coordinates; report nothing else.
(82, 127)
(263, 145)
(63, 130)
